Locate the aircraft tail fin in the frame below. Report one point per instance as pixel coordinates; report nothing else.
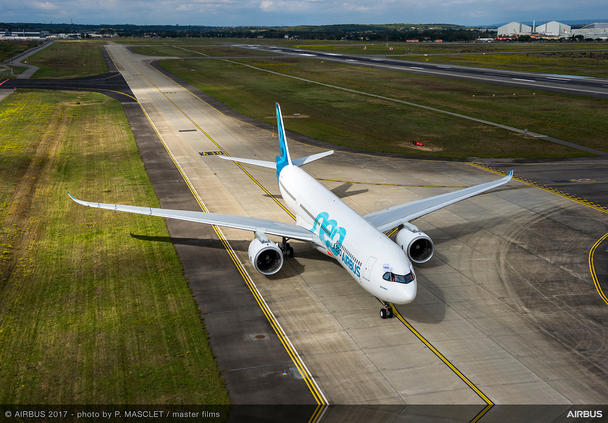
(284, 159)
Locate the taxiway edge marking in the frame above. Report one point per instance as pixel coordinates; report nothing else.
(569, 196)
(254, 179)
(596, 282)
(412, 329)
(316, 392)
(302, 369)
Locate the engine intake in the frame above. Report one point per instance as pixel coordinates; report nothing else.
(265, 255)
(417, 245)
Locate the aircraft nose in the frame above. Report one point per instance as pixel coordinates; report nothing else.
(407, 292)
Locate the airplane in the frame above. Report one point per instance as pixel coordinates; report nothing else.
(381, 266)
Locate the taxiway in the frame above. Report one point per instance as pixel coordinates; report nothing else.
(507, 312)
(569, 84)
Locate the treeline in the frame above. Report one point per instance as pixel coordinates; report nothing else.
(391, 32)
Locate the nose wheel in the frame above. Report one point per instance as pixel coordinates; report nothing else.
(386, 312)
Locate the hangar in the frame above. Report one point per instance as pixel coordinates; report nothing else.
(515, 28)
(554, 28)
(594, 31)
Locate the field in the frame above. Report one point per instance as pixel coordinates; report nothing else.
(358, 121)
(584, 63)
(196, 50)
(69, 59)
(89, 313)
(9, 49)
(586, 59)
(399, 48)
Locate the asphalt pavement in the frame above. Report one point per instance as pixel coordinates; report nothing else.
(569, 84)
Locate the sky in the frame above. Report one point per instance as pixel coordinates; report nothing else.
(298, 12)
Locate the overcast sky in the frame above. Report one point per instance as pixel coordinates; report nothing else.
(297, 12)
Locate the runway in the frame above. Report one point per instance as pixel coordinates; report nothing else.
(507, 311)
(569, 84)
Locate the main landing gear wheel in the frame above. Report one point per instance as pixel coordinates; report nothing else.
(286, 248)
(386, 312)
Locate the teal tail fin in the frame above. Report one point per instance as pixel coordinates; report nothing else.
(284, 159)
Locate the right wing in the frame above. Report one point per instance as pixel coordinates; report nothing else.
(389, 218)
(238, 222)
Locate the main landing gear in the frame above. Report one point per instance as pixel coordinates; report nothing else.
(386, 312)
(286, 248)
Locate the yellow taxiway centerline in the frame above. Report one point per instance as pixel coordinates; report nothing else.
(319, 397)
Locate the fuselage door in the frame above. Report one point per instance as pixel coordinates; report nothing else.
(369, 265)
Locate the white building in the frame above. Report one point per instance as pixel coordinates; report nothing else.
(514, 28)
(554, 28)
(594, 31)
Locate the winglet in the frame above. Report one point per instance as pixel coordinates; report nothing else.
(76, 200)
(284, 159)
(510, 174)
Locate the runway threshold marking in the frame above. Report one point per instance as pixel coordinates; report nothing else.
(316, 392)
(484, 397)
(489, 403)
(596, 282)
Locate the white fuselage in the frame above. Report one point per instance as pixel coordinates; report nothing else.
(366, 253)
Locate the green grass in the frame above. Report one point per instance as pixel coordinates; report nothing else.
(69, 59)
(403, 48)
(585, 63)
(373, 124)
(89, 314)
(178, 50)
(9, 49)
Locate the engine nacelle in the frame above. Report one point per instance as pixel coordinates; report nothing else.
(265, 255)
(417, 245)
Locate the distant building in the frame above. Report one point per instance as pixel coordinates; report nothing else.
(23, 35)
(514, 28)
(555, 29)
(594, 31)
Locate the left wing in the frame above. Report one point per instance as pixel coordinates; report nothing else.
(394, 216)
(238, 222)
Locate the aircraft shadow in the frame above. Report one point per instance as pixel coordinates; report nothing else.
(341, 191)
(291, 266)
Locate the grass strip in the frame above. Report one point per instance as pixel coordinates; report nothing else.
(69, 59)
(88, 313)
(357, 121)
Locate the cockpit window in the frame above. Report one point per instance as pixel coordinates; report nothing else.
(392, 277)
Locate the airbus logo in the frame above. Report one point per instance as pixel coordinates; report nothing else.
(585, 414)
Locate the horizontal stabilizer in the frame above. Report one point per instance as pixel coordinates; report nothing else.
(263, 163)
(272, 165)
(304, 160)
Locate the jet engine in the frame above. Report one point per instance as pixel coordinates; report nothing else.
(265, 255)
(417, 245)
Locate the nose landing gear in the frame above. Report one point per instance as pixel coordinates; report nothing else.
(386, 312)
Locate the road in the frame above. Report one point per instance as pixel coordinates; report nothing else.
(507, 311)
(18, 60)
(569, 84)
